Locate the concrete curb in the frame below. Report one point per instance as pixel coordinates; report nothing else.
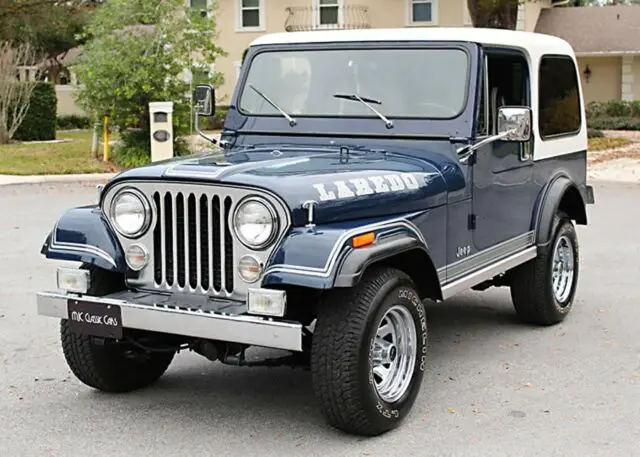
(8, 180)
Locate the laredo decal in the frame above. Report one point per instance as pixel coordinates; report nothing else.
(367, 186)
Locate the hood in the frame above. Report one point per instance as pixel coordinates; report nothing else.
(346, 185)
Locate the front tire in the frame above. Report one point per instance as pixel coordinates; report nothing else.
(369, 353)
(543, 289)
(105, 364)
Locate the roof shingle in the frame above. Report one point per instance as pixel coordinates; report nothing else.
(590, 29)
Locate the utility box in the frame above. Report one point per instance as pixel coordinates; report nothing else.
(161, 126)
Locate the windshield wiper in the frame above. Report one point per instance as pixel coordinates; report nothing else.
(291, 120)
(365, 101)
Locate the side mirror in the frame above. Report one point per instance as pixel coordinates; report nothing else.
(204, 98)
(514, 123)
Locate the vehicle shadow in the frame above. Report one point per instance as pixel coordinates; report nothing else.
(201, 394)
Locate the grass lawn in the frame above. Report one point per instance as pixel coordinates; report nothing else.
(599, 144)
(54, 158)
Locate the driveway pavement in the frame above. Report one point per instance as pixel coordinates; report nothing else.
(494, 387)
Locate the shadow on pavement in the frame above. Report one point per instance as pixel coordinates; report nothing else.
(197, 393)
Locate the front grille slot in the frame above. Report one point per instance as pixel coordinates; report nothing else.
(192, 242)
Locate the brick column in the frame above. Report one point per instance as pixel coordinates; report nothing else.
(627, 77)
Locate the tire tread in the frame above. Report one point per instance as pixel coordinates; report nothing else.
(334, 357)
(531, 291)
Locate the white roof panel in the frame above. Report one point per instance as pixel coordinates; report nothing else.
(526, 40)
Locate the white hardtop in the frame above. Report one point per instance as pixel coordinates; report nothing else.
(537, 42)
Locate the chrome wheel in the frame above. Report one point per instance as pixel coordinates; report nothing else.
(563, 267)
(394, 354)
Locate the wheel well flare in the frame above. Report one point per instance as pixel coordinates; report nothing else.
(418, 265)
(572, 204)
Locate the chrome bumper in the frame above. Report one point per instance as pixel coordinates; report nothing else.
(146, 312)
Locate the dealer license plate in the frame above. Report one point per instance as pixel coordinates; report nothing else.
(96, 319)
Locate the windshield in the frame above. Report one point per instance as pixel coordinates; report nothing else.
(398, 83)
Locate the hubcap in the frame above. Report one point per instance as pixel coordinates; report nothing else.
(394, 354)
(562, 269)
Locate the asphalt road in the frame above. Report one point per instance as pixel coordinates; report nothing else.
(494, 387)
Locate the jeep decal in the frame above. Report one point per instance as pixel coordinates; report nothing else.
(366, 186)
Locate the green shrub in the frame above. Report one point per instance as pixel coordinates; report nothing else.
(39, 123)
(613, 108)
(595, 133)
(73, 121)
(614, 115)
(614, 123)
(215, 122)
(219, 117)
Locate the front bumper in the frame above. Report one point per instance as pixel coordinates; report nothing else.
(190, 316)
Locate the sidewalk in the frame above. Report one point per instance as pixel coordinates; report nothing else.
(98, 178)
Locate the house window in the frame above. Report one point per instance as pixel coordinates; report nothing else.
(559, 97)
(198, 4)
(422, 12)
(250, 15)
(328, 12)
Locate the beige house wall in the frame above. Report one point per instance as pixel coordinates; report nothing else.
(381, 14)
(67, 105)
(605, 82)
(532, 13)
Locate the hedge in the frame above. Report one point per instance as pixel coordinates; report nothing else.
(594, 133)
(614, 108)
(71, 122)
(39, 123)
(614, 123)
(614, 115)
(216, 121)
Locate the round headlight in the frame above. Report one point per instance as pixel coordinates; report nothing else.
(130, 213)
(255, 223)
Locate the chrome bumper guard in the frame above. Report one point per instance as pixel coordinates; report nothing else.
(157, 313)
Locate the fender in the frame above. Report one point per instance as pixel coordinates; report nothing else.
(356, 260)
(83, 234)
(550, 201)
(316, 257)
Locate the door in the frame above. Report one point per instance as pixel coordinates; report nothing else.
(503, 171)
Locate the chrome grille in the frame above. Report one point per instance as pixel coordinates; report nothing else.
(192, 242)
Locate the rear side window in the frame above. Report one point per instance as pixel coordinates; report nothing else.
(559, 97)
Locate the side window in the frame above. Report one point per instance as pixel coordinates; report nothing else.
(559, 98)
(505, 84)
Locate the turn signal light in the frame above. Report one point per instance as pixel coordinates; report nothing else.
(363, 240)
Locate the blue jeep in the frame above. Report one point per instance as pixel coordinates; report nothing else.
(360, 174)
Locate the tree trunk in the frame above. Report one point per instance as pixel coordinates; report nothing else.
(4, 135)
(498, 14)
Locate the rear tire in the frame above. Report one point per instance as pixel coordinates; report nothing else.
(543, 289)
(105, 364)
(366, 339)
